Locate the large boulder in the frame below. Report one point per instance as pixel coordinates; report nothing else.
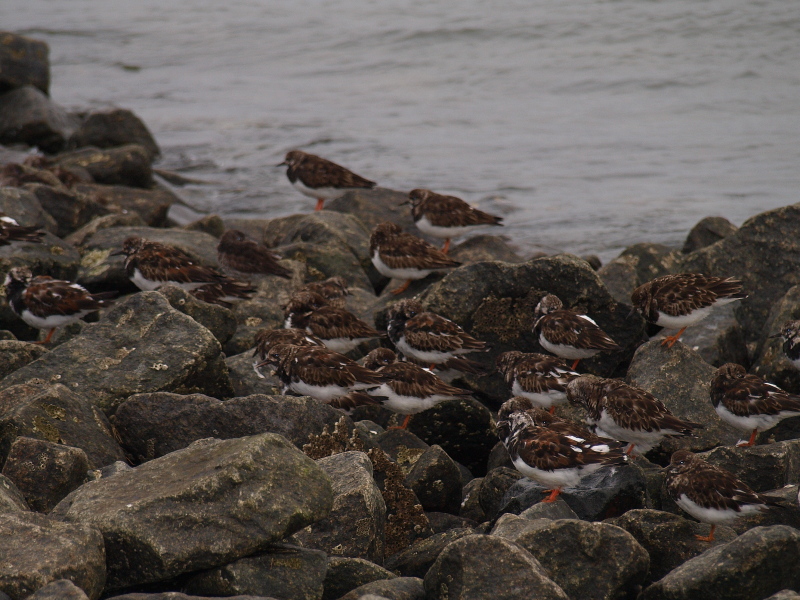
(345, 574)
(28, 116)
(770, 361)
(63, 589)
(415, 560)
(399, 588)
(38, 550)
(436, 480)
(219, 320)
(636, 265)
(763, 468)
(708, 231)
(23, 61)
(154, 424)
(718, 338)
(201, 507)
(124, 165)
(24, 207)
(78, 238)
(141, 344)
(70, 210)
(17, 354)
(11, 499)
(244, 379)
(152, 205)
(376, 206)
(112, 128)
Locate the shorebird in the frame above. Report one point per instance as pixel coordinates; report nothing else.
(790, 332)
(540, 378)
(265, 339)
(237, 253)
(12, 232)
(333, 289)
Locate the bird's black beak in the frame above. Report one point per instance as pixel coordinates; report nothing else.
(283, 164)
(630, 314)
(775, 335)
(117, 253)
(404, 203)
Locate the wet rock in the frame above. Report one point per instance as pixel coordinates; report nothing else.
(45, 472)
(244, 380)
(28, 116)
(770, 361)
(470, 501)
(70, 210)
(758, 563)
(763, 468)
(210, 224)
(23, 61)
(399, 588)
(415, 560)
(217, 319)
(636, 265)
(620, 278)
(242, 494)
(485, 566)
(669, 539)
(680, 378)
(499, 457)
(606, 493)
(152, 205)
(11, 499)
(718, 338)
(588, 560)
(112, 128)
(493, 489)
(17, 354)
(38, 550)
(593, 260)
(124, 165)
(550, 510)
(355, 525)
(154, 424)
(283, 571)
(373, 207)
(708, 231)
(24, 207)
(53, 413)
(436, 481)
(484, 247)
(345, 574)
(63, 589)
(140, 345)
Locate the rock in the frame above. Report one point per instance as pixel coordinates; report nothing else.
(550, 510)
(242, 494)
(179, 596)
(606, 493)
(355, 525)
(708, 231)
(593, 260)
(441, 522)
(718, 338)
(45, 472)
(436, 481)
(463, 428)
(399, 588)
(53, 413)
(23, 62)
(17, 354)
(510, 526)
(24, 207)
(493, 489)
(63, 589)
(210, 224)
(636, 265)
(345, 574)
(588, 560)
(146, 423)
(785, 595)
(763, 468)
(152, 205)
(38, 550)
(499, 457)
(670, 540)
(112, 128)
(770, 361)
(78, 238)
(140, 345)
(756, 564)
(11, 499)
(124, 165)
(484, 247)
(470, 501)
(402, 446)
(485, 566)
(328, 259)
(283, 571)
(28, 116)
(680, 379)
(415, 560)
(376, 206)
(620, 278)
(219, 320)
(244, 380)
(785, 513)
(70, 210)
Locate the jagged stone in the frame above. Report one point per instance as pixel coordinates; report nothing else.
(708, 231)
(28, 116)
(345, 574)
(399, 588)
(63, 589)
(763, 468)
(11, 499)
(436, 480)
(16, 354)
(415, 560)
(112, 128)
(217, 319)
(152, 205)
(23, 61)
(124, 165)
(70, 210)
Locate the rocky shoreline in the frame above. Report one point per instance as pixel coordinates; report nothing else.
(143, 458)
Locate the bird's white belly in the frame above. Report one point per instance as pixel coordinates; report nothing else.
(328, 193)
(323, 393)
(386, 270)
(749, 423)
(427, 356)
(51, 321)
(543, 399)
(405, 405)
(437, 231)
(564, 351)
(714, 516)
(556, 478)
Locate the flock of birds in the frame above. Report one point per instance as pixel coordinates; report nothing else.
(430, 350)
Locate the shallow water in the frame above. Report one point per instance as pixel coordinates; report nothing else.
(589, 125)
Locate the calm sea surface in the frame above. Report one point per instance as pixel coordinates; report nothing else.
(590, 125)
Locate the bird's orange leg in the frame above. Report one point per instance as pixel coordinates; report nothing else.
(709, 537)
(750, 442)
(48, 337)
(552, 410)
(553, 495)
(670, 340)
(446, 246)
(320, 202)
(629, 451)
(404, 425)
(402, 288)
(575, 364)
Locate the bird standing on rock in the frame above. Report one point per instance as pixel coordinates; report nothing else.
(790, 332)
(12, 232)
(237, 253)
(320, 178)
(540, 378)
(678, 301)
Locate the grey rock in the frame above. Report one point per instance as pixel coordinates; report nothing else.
(16, 354)
(470, 501)
(112, 128)
(636, 265)
(28, 116)
(152, 205)
(328, 259)
(441, 522)
(55, 414)
(244, 379)
(785, 513)
(718, 338)
(756, 564)
(63, 589)
(38, 550)
(24, 207)
(345, 574)
(210, 224)
(499, 457)
(550, 510)
(45, 472)
(708, 231)
(140, 345)
(154, 424)
(770, 361)
(242, 494)
(785, 595)
(620, 278)
(680, 378)
(70, 210)
(492, 491)
(763, 468)
(485, 566)
(436, 480)
(375, 206)
(111, 470)
(78, 238)
(180, 596)
(284, 572)
(510, 526)
(124, 165)
(356, 523)
(399, 588)
(484, 247)
(11, 499)
(217, 319)
(23, 61)
(588, 560)
(402, 446)
(415, 560)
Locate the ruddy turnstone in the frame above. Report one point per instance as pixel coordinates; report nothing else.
(556, 454)
(569, 334)
(225, 293)
(540, 378)
(710, 494)
(749, 403)
(320, 178)
(333, 289)
(318, 372)
(242, 255)
(446, 217)
(790, 332)
(47, 303)
(265, 339)
(410, 389)
(11, 232)
(403, 256)
(626, 413)
(426, 337)
(678, 301)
